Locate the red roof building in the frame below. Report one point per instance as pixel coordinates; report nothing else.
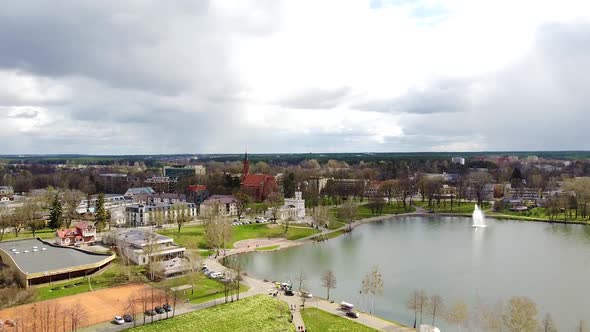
(83, 232)
(258, 186)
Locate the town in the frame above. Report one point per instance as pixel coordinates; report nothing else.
(124, 228)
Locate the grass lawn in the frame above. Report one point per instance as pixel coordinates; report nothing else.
(193, 237)
(464, 207)
(205, 289)
(45, 233)
(267, 248)
(110, 277)
(259, 313)
(364, 211)
(319, 320)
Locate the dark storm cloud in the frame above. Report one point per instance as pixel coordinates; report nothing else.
(317, 98)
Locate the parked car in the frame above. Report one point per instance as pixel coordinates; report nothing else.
(289, 292)
(128, 318)
(150, 312)
(159, 310)
(352, 314)
(167, 307)
(306, 294)
(119, 320)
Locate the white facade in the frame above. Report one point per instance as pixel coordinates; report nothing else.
(142, 215)
(139, 245)
(298, 203)
(110, 202)
(225, 205)
(458, 160)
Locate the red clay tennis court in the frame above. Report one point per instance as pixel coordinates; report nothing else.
(86, 309)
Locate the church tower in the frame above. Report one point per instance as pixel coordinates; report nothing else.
(246, 169)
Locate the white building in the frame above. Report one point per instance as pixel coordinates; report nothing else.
(111, 201)
(139, 245)
(298, 203)
(132, 192)
(143, 215)
(458, 160)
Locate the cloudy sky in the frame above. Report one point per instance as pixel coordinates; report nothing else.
(131, 77)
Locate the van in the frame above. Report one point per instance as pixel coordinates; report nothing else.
(346, 306)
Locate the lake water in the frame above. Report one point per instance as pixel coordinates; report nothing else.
(549, 263)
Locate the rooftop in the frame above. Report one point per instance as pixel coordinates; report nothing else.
(36, 256)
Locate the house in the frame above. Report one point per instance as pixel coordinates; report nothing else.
(6, 190)
(258, 186)
(140, 246)
(458, 160)
(196, 194)
(226, 205)
(161, 183)
(81, 233)
(374, 189)
(143, 215)
(133, 192)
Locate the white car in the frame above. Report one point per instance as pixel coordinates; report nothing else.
(306, 294)
(119, 320)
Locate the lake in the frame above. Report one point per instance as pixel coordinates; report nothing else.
(549, 263)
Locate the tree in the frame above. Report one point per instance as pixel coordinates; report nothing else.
(329, 281)
(181, 217)
(30, 211)
(435, 306)
(457, 314)
(289, 185)
(5, 221)
(242, 201)
(71, 199)
(547, 324)
(77, 315)
(348, 211)
(372, 285)
(477, 184)
(582, 327)
(520, 315)
(55, 214)
(301, 279)
(132, 302)
(100, 216)
(275, 201)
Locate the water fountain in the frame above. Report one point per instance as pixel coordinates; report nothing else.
(478, 218)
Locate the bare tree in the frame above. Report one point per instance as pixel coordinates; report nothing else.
(582, 327)
(329, 281)
(477, 184)
(77, 316)
(547, 324)
(72, 199)
(132, 302)
(457, 314)
(372, 285)
(301, 279)
(520, 315)
(435, 306)
(348, 211)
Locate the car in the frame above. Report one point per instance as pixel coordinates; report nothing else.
(306, 294)
(204, 268)
(208, 273)
(289, 292)
(128, 318)
(167, 307)
(159, 310)
(352, 314)
(150, 312)
(119, 320)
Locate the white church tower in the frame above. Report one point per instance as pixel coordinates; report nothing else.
(298, 203)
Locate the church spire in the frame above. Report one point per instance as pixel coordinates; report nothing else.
(246, 169)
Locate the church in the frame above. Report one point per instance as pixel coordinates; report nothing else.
(258, 186)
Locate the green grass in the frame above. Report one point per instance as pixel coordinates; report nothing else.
(193, 237)
(205, 289)
(259, 313)
(268, 248)
(45, 233)
(464, 207)
(110, 277)
(364, 211)
(319, 320)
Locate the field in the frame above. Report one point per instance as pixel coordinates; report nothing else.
(445, 207)
(268, 248)
(259, 313)
(92, 308)
(205, 289)
(45, 233)
(319, 320)
(193, 237)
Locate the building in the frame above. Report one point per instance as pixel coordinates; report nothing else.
(196, 194)
(226, 205)
(111, 201)
(38, 262)
(6, 190)
(374, 189)
(161, 183)
(81, 233)
(144, 215)
(532, 159)
(140, 246)
(184, 171)
(317, 183)
(163, 198)
(297, 204)
(458, 160)
(133, 192)
(258, 186)
(116, 182)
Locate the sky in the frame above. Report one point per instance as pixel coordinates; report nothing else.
(175, 76)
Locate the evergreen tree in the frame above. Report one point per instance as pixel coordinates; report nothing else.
(289, 185)
(55, 214)
(101, 215)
